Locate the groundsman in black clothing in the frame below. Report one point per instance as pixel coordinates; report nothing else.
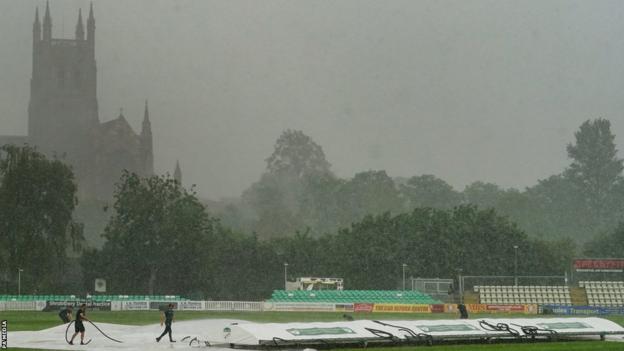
(463, 312)
(66, 314)
(78, 326)
(166, 317)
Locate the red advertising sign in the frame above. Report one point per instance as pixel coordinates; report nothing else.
(437, 308)
(599, 265)
(482, 308)
(505, 308)
(363, 307)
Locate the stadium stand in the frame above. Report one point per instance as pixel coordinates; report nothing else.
(524, 294)
(353, 296)
(38, 298)
(604, 293)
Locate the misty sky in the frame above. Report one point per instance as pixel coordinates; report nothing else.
(465, 90)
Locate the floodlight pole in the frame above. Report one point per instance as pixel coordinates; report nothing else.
(515, 265)
(19, 281)
(285, 276)
(404, 265)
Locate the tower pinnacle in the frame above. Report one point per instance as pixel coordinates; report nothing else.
(79, 27)
(177, 174)
(91, 26)
(146, 143)
(146, 113)
(36, 27)
(146, 131)
(47, 23)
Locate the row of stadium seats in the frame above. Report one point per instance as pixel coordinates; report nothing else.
(550, 294)
(37, 297)
(604, 293)
(604, 284)
(520, 288)
(353, 296)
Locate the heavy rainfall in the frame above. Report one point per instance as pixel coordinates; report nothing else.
(218, 150)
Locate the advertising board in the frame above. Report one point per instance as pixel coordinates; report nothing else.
(401, 308)
(599, 265)
(91, 305)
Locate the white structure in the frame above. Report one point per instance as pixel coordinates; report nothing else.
(315, 283)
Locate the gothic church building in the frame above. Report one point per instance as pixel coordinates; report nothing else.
(63, 115)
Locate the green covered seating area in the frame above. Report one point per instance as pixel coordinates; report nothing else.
(353, 296)
(38, 298)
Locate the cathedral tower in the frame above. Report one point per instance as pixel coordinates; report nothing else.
(63, 111)
(63, 115)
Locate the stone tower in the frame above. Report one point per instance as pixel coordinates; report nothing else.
(63, 108)
(63, 112)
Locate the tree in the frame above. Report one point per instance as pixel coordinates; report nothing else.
(276, 204)
(367, 193)
(558, 209)
(607, 245)
(484, 195)
(281, 198)
(319, 203)
(435, 243)
(595, 167)
(37, 197)
(429, 191)
(158, 234)
(297, 155)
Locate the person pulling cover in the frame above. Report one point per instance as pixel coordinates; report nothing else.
(167, 317)
(78, 325)
(66, 314)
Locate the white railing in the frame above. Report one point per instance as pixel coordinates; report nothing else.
(303, 306)
(224, 306)
(249, 306)
(22, 305)
(246, 306)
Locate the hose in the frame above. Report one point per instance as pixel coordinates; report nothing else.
(67, 339)
(533, 331)
(100, 330)
(499, 327)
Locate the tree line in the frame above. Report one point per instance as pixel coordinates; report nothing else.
(298, 190)
(161, 239)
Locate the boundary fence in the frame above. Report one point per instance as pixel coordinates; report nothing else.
(260, 306)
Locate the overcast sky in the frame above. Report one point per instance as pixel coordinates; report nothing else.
(465, 90)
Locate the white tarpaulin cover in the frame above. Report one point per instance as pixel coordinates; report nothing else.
(567, 326)
(397, 331)
(252, 335)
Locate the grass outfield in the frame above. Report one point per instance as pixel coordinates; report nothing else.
(31, 320)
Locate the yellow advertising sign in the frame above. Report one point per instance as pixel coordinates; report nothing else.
(401, 308)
